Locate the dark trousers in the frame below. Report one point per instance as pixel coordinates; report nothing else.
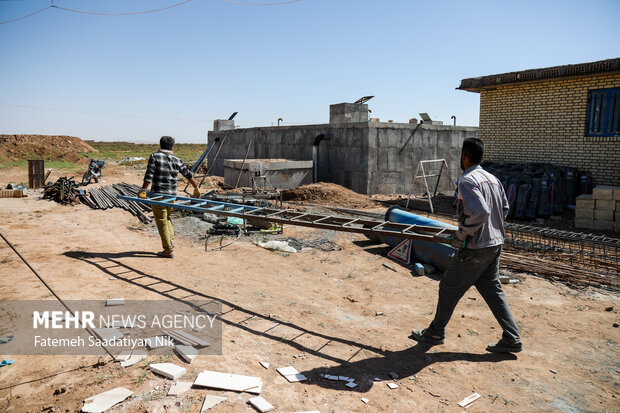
(479, 267)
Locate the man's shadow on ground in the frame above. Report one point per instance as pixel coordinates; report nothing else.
(405, 363)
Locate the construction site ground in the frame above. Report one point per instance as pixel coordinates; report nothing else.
(342, 312)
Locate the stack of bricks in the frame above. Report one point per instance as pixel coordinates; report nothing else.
(599, 211)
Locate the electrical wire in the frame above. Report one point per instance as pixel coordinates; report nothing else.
(120, 14)
(52, 5)
(26, 16)
(273, 3)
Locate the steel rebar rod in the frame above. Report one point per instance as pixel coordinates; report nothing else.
(88, 330)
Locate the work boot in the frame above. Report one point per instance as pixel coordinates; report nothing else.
(426, 336)
(504, 346)
(165, 254)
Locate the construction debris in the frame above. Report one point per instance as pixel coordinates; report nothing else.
(168, 370)
(179, 388)
(261, 404)
(63, 191)
(264, 364)
(469, 400)
(107, 197)
(211, 401)
(114, 301)
(232, 382)
(291, 374)
(135, 357)
(392, 385)
(108, 334)
(185, 338)
(103, 401)
(157, 342)
(187, 353)
(276, 246)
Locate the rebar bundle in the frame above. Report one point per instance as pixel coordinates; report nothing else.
(574, 248)
(107, 197)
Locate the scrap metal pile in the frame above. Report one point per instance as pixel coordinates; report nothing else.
(107, 197)
(63, 191)
(66, 191)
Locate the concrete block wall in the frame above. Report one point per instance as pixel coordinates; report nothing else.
(396, 148)
(343, 158)
(600, 210)
(367, 157)
(545, 121)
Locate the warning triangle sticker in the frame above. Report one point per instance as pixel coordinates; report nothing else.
(402, 252)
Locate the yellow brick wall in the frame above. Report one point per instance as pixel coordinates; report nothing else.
(545, 121)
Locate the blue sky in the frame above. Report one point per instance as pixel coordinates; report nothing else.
(172, 72)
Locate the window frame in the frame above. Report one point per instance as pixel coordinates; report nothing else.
(602, 122)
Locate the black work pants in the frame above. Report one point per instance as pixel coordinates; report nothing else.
(480, 268)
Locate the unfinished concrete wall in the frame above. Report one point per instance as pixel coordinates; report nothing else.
(367, 157)
(342, 157)
(395, 150)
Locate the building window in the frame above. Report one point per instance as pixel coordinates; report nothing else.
(604, 112)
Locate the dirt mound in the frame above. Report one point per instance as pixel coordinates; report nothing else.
(330, 194)
(48, 147)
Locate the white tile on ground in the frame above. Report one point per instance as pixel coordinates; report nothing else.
(343, 378)
(169, 370)
(187, 353)
(108, 334)
(365, 400)
(329, 377)
(186, 338)
(211, 401)
(392, 385)
(261, 404)
(469, 399)
(123, 355)
(351, 385)
(136, 357)
(157, 342)
(179, 388)
(227, 381)
(291, 374)
(114, 301)
(264, 364)
(103, 401)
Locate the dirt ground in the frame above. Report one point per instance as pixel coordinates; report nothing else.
(340, 312)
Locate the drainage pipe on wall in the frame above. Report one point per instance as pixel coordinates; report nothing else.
(315, 155)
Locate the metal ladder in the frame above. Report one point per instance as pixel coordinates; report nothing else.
(292, 217)
(424, 176)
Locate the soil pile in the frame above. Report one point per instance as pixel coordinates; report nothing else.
(48, 147)
(326, 193)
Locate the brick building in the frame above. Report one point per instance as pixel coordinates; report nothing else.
(564, 115)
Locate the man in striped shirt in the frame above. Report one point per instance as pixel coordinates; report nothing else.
(161, 173)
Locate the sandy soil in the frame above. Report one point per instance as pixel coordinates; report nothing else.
(345, 312)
